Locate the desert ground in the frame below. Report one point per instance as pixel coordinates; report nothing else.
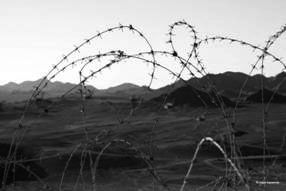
(60, 143)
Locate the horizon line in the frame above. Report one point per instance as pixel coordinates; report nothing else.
(66, 82)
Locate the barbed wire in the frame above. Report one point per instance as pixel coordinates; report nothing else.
(192, 64)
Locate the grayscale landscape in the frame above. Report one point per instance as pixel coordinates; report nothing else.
(184, 120)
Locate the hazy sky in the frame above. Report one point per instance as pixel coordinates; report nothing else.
(36, 33)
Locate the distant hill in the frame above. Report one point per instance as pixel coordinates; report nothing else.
(227, 84)
(122, 87)
(12, 92)
(267, 96)
(230, 83)
(193, 97)
(126, 89)
(28, 86)
(274, 81)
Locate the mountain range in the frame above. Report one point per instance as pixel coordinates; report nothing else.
(227, 84)
(230, 83)
(12, 92)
